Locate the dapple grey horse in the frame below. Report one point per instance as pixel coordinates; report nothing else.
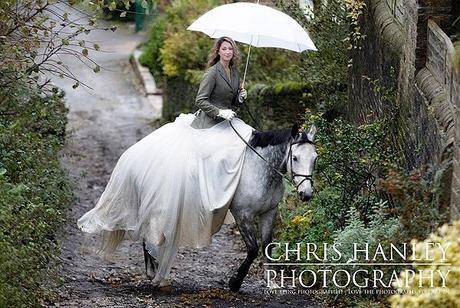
(285, 151)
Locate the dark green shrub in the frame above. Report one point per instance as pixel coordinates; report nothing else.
(151, 50)
(412, 198)
(329, 30)
(180, 97)
(171, 49)
(33, 192)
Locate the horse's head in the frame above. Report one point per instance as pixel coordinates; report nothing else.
(301, 160)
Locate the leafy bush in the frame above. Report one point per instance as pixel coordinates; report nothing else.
(437, 296)
(171, 49)
(151, 50)
(308, 222)
(329, 30)
(177, 57)
(381, 230)
(411, 198)
(180, 97)
(350, 160)
(33, 192)
(361, 196)
(314, 80)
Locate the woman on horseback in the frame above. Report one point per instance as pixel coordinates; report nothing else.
(173, 188)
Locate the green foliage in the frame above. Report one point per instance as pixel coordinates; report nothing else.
(313, 80)
(381, 230)
(177, 57)
(183, 51)
(329, 29)
(33, 192)
(361, 196)
(283, 99)
(308, 222)
(180, 97)
(351, 158)
(151, 50)
(412, 199)
(270, 65)
(171, 50)
(355, 9)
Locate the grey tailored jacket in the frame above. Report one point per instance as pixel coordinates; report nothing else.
(215, 92)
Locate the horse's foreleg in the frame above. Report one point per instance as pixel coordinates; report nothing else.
(266, 224)
(248, 232)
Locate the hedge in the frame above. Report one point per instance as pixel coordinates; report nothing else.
(34, 191)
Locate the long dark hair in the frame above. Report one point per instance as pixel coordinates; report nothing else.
(214, 57)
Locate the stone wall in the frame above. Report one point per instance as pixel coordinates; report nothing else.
(437, 82)
(388, 57)
(401, 39)
(455, 98)
(439, 11)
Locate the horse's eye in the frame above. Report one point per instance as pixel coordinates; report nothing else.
(294, 158)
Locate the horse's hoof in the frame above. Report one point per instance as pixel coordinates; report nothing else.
(161, 285)
(150, 274)
(164, 283)
(234, 284)
(165, 286)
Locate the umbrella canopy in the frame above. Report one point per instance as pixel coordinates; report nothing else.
(254, 24)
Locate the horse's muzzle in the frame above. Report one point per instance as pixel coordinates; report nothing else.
(304, 197)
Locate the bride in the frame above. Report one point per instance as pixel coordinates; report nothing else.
(173, 188)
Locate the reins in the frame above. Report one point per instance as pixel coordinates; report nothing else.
(293, 174)
(257, 153)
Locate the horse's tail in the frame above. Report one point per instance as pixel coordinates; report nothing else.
(110, 241)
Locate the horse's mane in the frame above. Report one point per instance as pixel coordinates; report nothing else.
(272, 137)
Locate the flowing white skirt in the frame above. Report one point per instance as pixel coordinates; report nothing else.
(171, 189)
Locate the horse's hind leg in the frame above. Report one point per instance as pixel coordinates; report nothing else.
(248, 232)
(150, 263)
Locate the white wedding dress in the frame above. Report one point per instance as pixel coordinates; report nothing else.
(171, 189)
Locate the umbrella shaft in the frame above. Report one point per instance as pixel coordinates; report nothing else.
(247, 62)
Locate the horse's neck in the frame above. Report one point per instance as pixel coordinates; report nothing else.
(276, 156)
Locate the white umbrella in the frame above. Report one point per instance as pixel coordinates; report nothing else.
(254, 24)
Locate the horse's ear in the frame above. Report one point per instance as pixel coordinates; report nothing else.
(311, 133)
(294, 130)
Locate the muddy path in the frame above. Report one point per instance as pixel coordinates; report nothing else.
(104, 122)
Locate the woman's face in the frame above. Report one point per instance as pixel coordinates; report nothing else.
(226, 51)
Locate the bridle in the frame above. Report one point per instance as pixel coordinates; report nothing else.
(306, 177)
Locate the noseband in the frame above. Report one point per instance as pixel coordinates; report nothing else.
(305, 177)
